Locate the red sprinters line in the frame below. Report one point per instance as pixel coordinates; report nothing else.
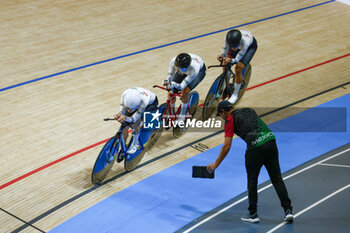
(101, 142)
(52, 163)
(299, 71)
(296, 72)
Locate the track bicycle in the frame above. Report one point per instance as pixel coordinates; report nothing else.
(170, 115)
(223, 87)
(115, 149)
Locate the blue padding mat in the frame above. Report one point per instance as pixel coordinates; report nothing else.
(171, 198)
(320, 119)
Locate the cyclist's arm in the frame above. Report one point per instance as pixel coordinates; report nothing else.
(224, 151)
(241, 53)
(225, 49)
(137, 114)
(121, 107)
(191, 74)
(171, 70)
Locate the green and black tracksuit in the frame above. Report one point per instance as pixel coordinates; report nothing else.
(261, 150)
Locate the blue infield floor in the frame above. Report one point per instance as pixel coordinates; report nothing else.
(171, 199)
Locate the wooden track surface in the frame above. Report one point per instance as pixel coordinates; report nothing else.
(44, 121)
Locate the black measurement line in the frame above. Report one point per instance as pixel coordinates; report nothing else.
(21, 220)
(200, 146)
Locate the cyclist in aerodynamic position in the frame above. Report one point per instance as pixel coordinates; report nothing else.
(186, 71)
(133, 103)
(239, 47)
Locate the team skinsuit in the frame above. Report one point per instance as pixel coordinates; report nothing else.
(138, 100)
(185, 70)
(242, 51)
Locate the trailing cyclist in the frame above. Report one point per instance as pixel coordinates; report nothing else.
(133, 103)
(186, 71)
(239, 47)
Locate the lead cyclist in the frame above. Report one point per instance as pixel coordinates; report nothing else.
(133, 103)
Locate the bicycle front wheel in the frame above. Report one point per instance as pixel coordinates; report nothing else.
(105, 161)
(213, 97)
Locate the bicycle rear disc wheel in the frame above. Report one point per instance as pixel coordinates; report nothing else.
(130, 165)
(157, 132)
(105, 161)
(132, 160)
(193, 103)
(213, 98)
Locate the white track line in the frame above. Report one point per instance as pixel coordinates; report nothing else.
(262, 189)
(310, 207)
(334, 165)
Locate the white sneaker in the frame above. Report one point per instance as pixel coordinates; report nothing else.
(251, 218)
(134, 145)
(289, 217)
(233, 99)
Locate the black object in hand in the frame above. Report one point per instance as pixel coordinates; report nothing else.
(201, 172)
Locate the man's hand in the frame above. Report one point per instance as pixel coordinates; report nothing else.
(119, 117)
(173, 85)
(220, 57)
(227, 60)
(165, 83)
(211, 167)
(224, 151)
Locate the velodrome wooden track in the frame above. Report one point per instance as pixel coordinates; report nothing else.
(44, 121)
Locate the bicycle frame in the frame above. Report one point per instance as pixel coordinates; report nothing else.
(172, 115)
(120, 139)
(225, 73)
(226, 70)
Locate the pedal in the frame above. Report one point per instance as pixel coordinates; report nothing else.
(120, 157)
(228, 91)
(242, 85)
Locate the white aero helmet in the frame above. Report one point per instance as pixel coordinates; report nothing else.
(132, 99)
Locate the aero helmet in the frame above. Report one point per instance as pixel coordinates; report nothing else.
(132, 99)
(233, 37)
(183, 61)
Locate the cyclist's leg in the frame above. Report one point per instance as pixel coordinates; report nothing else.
(187, 90)
(229, 85)
(178, 78)
(238, 80)
(200, 76)
(245, 60)
(152, 107)
(126, 132)
(240, 67)
(136, 133)
(184, 105)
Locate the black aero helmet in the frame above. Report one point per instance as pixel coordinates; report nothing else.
(183, 60)
(233, 37)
